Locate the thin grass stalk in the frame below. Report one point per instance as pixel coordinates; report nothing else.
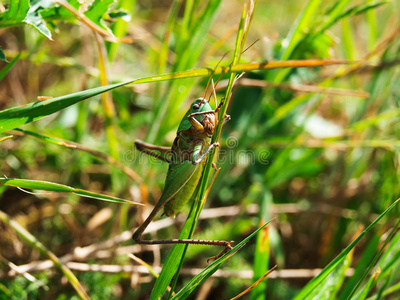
(164, 50)
(119, 27)
(217, 133)
(4, 138)
(207, 169)
(106, 100)
(9, 66)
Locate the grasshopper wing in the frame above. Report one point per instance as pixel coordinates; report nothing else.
(180, 184)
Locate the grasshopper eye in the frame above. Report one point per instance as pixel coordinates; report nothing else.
(196, 106)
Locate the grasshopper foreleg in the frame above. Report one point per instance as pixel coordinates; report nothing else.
(227, 118)
(197, 157)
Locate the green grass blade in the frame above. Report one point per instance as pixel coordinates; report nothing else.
(34, 243)
(374, 260)
(212, 268)
(240, 41)
(367, 256)
(387, 265)
(15, 14)
(300, 27)
(8, 67)
(336, 261)
(173, 261)
(17, 116)
(348, 39)
(372, 22)
(262, 250)
(383, 286)
(392, 289)
(329, 288)
(171, 22)
(175, 258)
(60, 188)
(2, 55)
(333, 15)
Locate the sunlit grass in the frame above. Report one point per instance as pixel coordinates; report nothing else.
(316, 147)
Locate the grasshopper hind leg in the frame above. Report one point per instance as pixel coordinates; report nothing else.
(149, 148)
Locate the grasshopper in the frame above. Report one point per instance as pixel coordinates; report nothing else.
(186, 161)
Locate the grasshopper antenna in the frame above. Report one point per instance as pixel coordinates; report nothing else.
(220, 76)
(230, 65)
(214, 93)
(209, 80)
(252, 44)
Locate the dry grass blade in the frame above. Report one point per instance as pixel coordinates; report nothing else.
(302, 88)
(378, 49)
(72, 145)
(255, 283)
(60, 188)
(143, 263)
(80, 16)
(26, 275)
(335, 144)
(148, 267)
(5, 138)
(33, 242)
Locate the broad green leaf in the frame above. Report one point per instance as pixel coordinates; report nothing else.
(97, 10)
(56, 187)
(35, 18)
(15, 14)
(25, 12)
(60, 13)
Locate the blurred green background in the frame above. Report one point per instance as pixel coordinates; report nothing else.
(316, 148)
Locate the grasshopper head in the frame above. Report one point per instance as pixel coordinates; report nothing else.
(206, 114)
(200, 105)
(201, 110)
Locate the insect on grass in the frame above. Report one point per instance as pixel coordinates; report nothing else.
(186, 159)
